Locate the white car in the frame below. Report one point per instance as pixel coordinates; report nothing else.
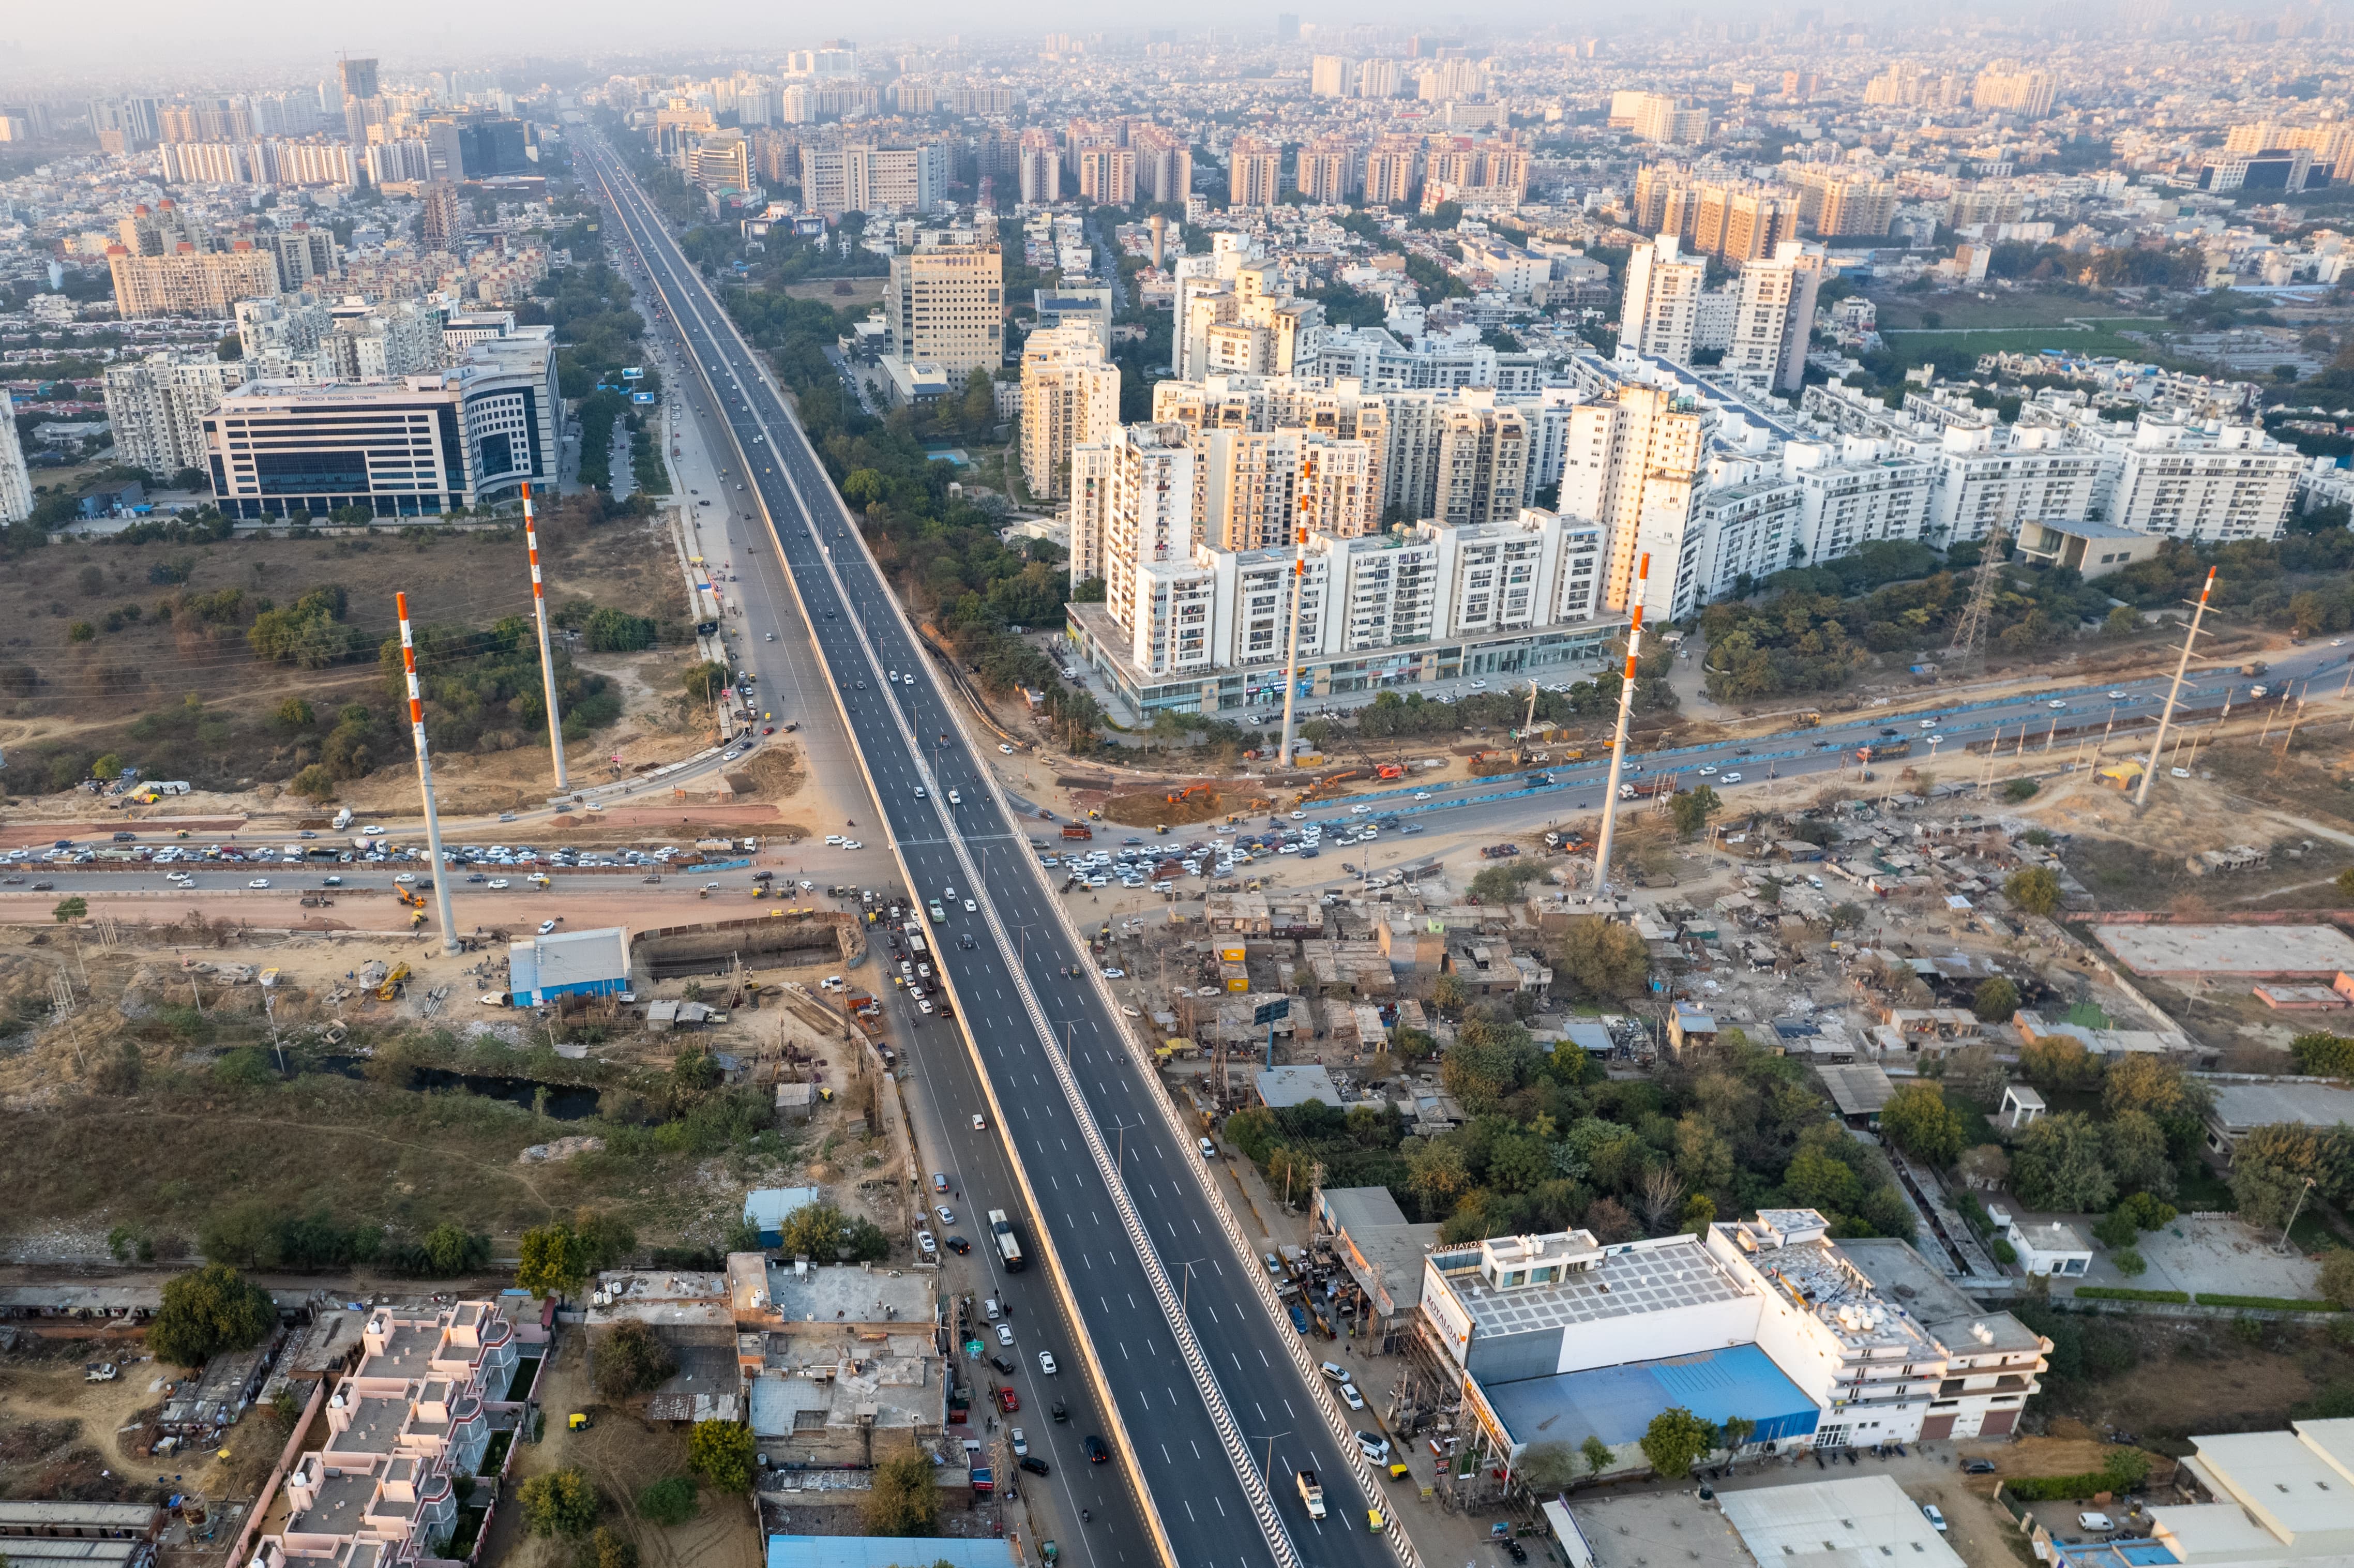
(1115, 974)
(956, 798)
(546, 927)
(1351, 1397)
(1005, 748)
(1708, 772)
(2055, 703)
(405, 876)
(372, 832)
(1047, 1363)
(1360, 810)
(1021, 1443)
(970, 907)
(2095, 1521)
(1928, 724)
(1733, 779)
(2120, 697)
(947, 1215)
(1374, 1447)
(833, 841)
(1006, 1333)
(497, 882)
(258, 882)
(851, 844)
(1937, 1519)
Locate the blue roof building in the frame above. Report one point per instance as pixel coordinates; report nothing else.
(887, 1551)
(568, 963)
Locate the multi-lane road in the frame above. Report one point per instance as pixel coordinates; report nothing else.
(1156, 1306)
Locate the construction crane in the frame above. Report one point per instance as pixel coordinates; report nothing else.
(391, 986)
(1521, 739)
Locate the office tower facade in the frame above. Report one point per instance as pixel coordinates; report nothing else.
(1661, 313)
(477, 146)
(409, 448)
(156, 409)
(1255, 173)
(16, 480)
(1070, 397)
(188, 282)
(363, 104)
(944, 306)
(1040, 169)
(721, 161)
(862, 177)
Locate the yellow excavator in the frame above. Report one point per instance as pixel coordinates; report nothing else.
(391, 986)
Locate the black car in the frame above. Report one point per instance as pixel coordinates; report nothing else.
(1060, 1411)
(1978, 1468)
(1520, 1553)
(964, 939)
(1097, 1452)
(1004, 1368)
(1034, 1465)
(959, 1245)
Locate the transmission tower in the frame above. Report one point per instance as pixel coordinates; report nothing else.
(1969, 632)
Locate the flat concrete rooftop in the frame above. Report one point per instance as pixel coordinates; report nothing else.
(2256, 952)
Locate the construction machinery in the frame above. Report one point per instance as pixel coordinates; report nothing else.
(392, 980)
(1179, 797)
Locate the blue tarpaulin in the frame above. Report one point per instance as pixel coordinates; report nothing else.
(1616, 1403)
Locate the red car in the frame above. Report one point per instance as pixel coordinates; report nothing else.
(1008, 1400)
(769, 729)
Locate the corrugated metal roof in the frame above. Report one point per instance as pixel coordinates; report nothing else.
(1616, 1403)
(886, 1552)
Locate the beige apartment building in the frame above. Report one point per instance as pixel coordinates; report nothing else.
(1070, 397)
(1255, 173)
(189, 282)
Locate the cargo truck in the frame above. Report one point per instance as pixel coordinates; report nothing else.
(1311, 1493)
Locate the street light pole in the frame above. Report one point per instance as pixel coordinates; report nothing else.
(2166, 714)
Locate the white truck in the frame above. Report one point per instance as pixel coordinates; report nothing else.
(343, 820)
(1311, 1493)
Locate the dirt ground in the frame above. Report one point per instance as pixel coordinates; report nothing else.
(2193, 1376)
(829, 290)
(622, 1453)
(60, 689)
(61, 1436)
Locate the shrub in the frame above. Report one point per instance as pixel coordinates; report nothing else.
(633, 1362)
(2020, 789)
(561, 1502)
(606, 1549)
(904, 1499)
(721, 1453)
(2122, 1293)
(670, 1500)
(2267, 1304)
(2129, 1262)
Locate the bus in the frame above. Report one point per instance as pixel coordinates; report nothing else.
(1008, 1247)
(914, 934)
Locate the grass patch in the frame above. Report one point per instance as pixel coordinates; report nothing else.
(2201, 1188)
(670, 1500)
(519, 1386)
(2119, 1293)
(2268, 1303)
(2107, 339)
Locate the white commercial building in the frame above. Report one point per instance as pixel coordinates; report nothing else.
(1070, 397)
(414, 446)
(1813, 1342)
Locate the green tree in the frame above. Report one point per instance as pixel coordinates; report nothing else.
(704, 682)
(451, 1249)
(2129, 1262)
(560, 1502)
(70, 909)
(904, 1497)
(1603, 959)
(633, 1360)
(1693, 808)
(1599, 1454)
(1700, 1212)
(1547, 1467)
(2322, 1054)
(2020, 789)
(670, 1500)
(212, 1310)
(552, 1260)
(295, 714)
(1448, 995)
(721, 1453)
(2337, 1277)
(2060, 1166)
(607, 1548)
(1676, 1440)
(1996, 1000)
(813, 1231)
(1917, 1120)
(2035, 891)
(2345, 882)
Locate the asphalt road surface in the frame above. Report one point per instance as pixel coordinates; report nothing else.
(1197, 1441)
